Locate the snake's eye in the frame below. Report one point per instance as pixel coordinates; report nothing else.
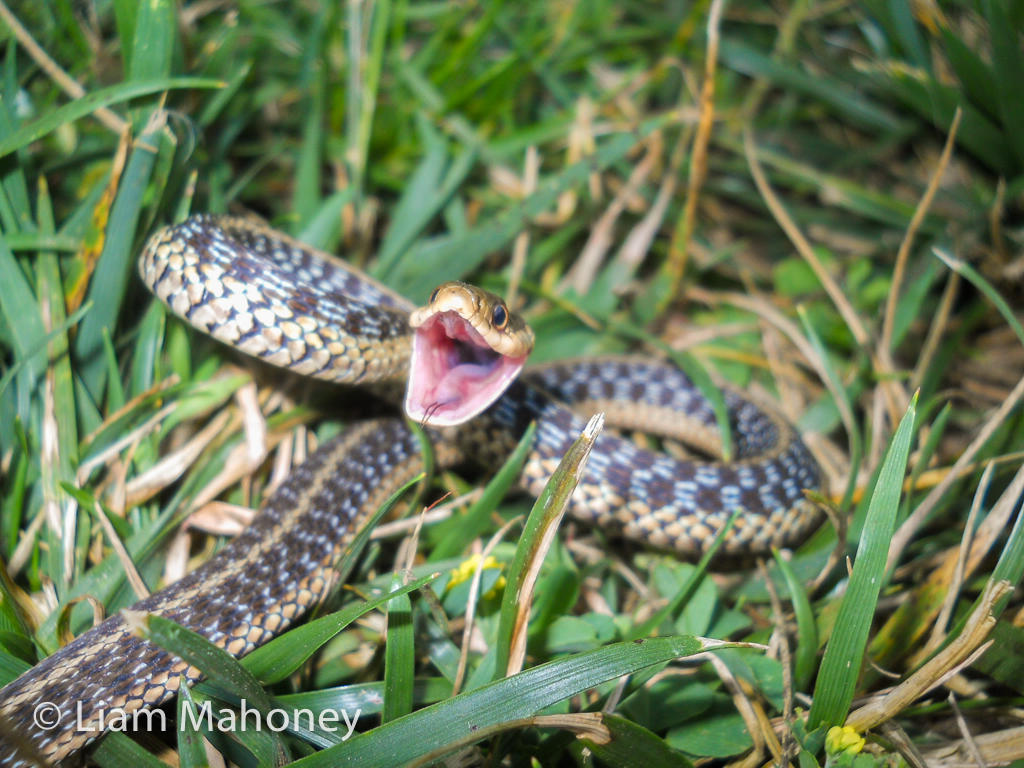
(499, 317)
(433, 296)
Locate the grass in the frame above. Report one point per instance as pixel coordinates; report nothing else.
(836, 221)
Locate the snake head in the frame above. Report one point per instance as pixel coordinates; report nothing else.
(467, 348)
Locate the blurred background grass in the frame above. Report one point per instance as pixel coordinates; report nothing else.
(781, 226)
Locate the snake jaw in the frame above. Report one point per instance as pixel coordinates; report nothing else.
(454, 373)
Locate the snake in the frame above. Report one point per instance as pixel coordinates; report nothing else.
(293, 306)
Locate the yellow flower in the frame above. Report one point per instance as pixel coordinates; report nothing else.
(843, 740)
(469, 566)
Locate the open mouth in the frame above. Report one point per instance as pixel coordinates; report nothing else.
(454, 374)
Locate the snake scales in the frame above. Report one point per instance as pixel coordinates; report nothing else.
(298, 308)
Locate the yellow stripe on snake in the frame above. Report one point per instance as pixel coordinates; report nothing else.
(305, 310)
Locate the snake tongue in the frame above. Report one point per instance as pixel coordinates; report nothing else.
(454, 374)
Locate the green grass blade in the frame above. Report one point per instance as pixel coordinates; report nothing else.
(52, 297)
(38, 241)
(21, 313)
(154, 40)
(1008, 68)
(116, 264)
(429, 189)
(844, 654)
(283, 655)
(839, 390)
(516, 697)
(399, 657)
(324, 227)
(978, 281)
(975, 75)
(103, 581)
(806, 652)
(309, 163)
(846, 100)
(11, 373)
(216, 664)
(367, 698)
(93, 101)
(1004, 660)
(11, 666)
(191, 752)
(370, 69)
(538, 532)
(117, 750)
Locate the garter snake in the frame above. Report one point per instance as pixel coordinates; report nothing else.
(301, 309)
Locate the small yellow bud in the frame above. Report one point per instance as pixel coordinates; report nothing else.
(469, 566)
(843, 740)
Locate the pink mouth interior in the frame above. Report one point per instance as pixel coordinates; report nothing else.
(454, 374)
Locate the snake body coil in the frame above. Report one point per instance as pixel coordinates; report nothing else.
(298, 308)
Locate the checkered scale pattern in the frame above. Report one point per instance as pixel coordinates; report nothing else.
(286, 304)
(653, 498)
(253, 589)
